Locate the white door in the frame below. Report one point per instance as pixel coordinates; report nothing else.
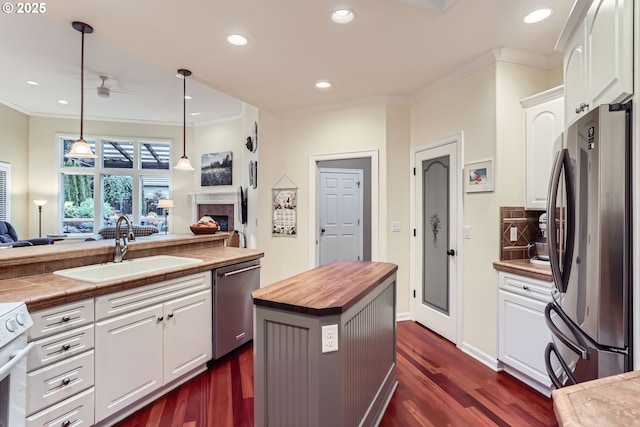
(340, 215)
(434, 303)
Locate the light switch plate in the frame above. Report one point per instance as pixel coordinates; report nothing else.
(329, 338)
(395, 226)
(466, 232)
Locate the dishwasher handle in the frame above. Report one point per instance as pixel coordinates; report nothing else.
(242, 270)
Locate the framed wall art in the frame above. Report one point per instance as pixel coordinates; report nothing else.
(478, 176)
(216, 169)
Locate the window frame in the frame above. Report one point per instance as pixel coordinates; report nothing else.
(99, 172)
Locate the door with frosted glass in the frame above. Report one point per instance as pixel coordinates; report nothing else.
(434, 301)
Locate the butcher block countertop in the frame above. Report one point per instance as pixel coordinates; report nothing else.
(326, 290)
(611, 401)
(525, 268)
(24, 278)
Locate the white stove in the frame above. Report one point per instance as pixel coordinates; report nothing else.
(14, 323)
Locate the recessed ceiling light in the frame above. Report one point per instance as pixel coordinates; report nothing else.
(32, 83)
(343, 16)
(237, 39)
(195, 113)
(537, 16)
(323, 84)
(63, 101)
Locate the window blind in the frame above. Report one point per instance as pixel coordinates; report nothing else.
(5, 193)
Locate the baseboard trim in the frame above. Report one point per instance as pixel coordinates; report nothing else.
(401, 317)
(480, 356)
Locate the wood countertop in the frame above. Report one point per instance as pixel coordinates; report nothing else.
(611, 401)
(46, 290)
(525, 268)
(326, 290)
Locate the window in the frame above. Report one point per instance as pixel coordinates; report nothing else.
(128, 178)
(5, 191)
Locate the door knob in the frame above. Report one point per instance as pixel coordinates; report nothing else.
(322, 230)
(451, 252)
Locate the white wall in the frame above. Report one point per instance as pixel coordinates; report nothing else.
(14, 149)
(485, 106)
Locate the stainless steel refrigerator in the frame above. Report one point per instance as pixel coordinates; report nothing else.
(589, 237)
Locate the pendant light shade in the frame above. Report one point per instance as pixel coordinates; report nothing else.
(81, 149)
(184, 163)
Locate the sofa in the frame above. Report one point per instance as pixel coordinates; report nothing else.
(110, 232)
(9, 237)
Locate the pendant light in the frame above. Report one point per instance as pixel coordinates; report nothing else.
(184, 163)
(80, 149)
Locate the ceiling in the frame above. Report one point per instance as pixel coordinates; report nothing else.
(394, 48)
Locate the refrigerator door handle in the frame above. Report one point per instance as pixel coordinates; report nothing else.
(551, 348)
(578, 349)
(561, 276)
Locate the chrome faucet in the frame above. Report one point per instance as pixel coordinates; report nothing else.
(120, 250)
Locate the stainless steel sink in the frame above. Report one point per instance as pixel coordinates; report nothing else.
(99, 273)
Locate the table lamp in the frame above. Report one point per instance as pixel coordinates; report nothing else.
(40, 203)
(165, 204)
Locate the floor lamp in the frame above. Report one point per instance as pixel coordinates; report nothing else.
(165, 204)
(40, 203)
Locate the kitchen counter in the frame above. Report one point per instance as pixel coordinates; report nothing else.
(39, 288)
(612, 401)
(329, 289)
(525, 268)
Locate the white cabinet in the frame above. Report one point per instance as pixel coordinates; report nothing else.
(161, 333)
(522, 331)
(544, 122)
(60, 367)
(598, 55)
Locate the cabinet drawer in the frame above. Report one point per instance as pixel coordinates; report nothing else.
(75, 411)
(60, 346)
(60, 318)
(144, 296)
(59, 381)
(525, 286)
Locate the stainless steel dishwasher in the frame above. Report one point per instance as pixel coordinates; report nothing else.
(233, 305)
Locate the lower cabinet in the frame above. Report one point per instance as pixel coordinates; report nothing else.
(162, 334)
(522, 331)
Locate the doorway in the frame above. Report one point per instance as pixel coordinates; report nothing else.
(341, 215)
(367, 161)
(436, 247)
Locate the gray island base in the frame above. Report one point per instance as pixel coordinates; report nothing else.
(325, 346)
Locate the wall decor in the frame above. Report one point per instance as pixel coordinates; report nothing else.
(216, 169)
(255, 137)
(478, 176)
(284, 202)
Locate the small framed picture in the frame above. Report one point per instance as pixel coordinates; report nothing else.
(478, 176)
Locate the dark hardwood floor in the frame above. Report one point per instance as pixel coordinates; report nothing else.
(438, 386)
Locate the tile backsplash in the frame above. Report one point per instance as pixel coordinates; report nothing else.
(526, 221)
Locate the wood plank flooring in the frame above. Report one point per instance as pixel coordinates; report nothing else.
(438, 386)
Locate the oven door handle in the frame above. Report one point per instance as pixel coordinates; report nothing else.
(15, 358)
(551, 348)
(576, 348)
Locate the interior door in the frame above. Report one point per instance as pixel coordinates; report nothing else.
(434, 301)
(340, 215)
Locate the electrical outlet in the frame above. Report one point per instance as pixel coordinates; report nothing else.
(514, 234)
(329, 338)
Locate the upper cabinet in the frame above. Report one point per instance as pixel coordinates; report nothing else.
(598, 55)
(544, 122)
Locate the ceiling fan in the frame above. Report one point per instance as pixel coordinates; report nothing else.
(106, 87)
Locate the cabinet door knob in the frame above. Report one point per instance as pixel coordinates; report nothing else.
(170, 315)
(581, 107)
(66, 347)
(525, 287)
(65, 423)
(66, 318)
(451, 252)
(160, 318)
(66, 381)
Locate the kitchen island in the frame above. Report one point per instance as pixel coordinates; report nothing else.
(325, 346)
